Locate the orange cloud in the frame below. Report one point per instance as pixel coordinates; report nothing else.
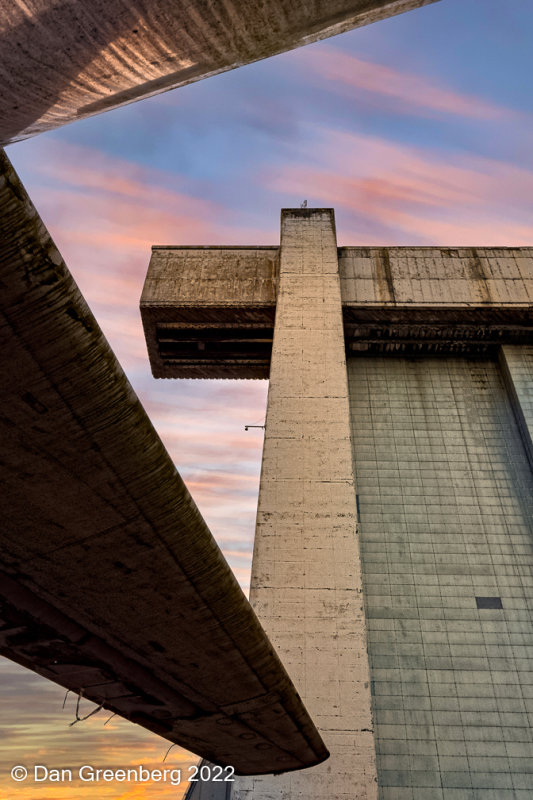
(105, 214)
(38, 732)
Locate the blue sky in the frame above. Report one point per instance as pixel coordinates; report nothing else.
(418, 130)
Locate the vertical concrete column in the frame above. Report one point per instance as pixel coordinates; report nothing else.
(516, 362)
(306, 577)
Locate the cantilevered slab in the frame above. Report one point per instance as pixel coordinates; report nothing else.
(209, 312)
(110, 582)
(62, 60)
(436, 299)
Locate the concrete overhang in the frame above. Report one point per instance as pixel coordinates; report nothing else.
(63, 60)
(110, 581)
(209, 312)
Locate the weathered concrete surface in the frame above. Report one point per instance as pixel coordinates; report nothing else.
(430, 300)
(209, 312)
(436, 276)
(110, 582)
(517, 368)
(445, 496)
(440, 448)
(62, 60)
(306, 581)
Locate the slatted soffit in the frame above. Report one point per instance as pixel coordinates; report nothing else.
(110, 581)
(208, 312)
(63, 60)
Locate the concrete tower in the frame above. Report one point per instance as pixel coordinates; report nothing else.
(393, 558)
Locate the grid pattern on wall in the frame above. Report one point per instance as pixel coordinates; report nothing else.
(445, 494)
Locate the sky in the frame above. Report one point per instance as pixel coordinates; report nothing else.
(417, 130)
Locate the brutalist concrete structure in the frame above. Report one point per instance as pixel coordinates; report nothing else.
(393, 557)
(111, 584)
(63, 60)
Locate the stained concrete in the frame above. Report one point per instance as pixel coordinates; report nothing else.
(110, 581)
(306, 579)
(455, 277)
(517, 369)
(442, 509)
(209, 312)
(445, 497)
(63, 60)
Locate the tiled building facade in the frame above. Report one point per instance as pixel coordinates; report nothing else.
(393, 560)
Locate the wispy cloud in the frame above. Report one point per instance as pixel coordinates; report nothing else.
(105, 213)
(96, 200)
(396, 89)
(401, 193)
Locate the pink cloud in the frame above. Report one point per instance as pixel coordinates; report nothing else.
(104, 214)
(406, 194)
(407, 92)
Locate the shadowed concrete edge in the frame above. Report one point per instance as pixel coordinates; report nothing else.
(113, 585)
(94, 56)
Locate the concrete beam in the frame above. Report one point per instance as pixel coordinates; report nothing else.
(306, 576)
(110, 581)
(208, 312)
(63, 60)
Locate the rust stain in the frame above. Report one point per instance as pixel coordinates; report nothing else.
(478, 275)
(385, 283)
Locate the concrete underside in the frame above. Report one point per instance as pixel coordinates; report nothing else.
(437, 406)
(63, 60)
(209, 312)
(110, 581)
